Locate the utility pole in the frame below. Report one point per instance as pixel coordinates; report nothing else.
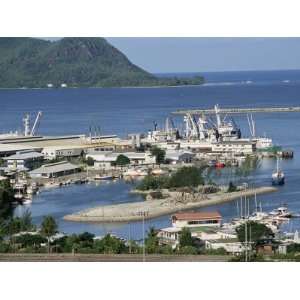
(143, 214)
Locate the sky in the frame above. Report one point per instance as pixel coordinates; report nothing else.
(167, 55)
(160, 55)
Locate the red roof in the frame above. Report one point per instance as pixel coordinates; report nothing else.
(205, 215)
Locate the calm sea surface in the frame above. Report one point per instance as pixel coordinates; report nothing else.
(127, 110)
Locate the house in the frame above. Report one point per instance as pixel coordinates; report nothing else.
(211, 233)
(107, 160)
(24, 160)
(232, 246)
(179, 156)
(55, 170)
(52, 152)
(197, 219)
(169, 236)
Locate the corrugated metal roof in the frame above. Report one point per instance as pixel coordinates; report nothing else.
(191, 216)
(54, 168)
(24, 155)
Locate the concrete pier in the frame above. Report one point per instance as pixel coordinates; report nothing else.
(127, 212)
(239, 110)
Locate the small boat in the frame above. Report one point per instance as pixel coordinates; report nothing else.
(27, 200)
(278, 176)
(104, 177)
(135, 172)
(281, 212)
(158, 172)
(212, 163)
(219, 165)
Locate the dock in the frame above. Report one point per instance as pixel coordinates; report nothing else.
(239, 110)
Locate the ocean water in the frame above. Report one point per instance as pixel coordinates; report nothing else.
(126, 110)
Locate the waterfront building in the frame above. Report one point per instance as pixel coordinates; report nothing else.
(55, 170)
(232, 246)
(196, 219)
(169, 236)
(24, 160)
(107, 160)
(179, 156)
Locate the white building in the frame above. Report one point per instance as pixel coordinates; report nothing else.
(169, 236)
(24, 160)
(230, 245)
(236, 147)
(179, 156)
(105, 160)
(197, 219)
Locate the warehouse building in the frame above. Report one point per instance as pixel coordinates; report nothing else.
(24, 160)
(55, 170)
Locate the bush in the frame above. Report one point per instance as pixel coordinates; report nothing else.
(231, 187)
(188, 250)
(151, 182)
(122, 160)
(186, 177)
(156, 195)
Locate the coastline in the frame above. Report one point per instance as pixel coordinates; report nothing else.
(130, 212)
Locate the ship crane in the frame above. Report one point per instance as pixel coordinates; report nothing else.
(26, 122)
(36, 123)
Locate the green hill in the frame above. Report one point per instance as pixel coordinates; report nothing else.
(77, 62)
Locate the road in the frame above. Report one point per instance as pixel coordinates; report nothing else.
(68, 257)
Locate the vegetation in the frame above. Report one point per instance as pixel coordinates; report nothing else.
(185, 238)
(77, 62)
(160, 154)
(249, 165)
(6, 199)
(48, 228)
(231, 187)
(184, 177)
(255, 232)
(151, 182)
(122, 160)
(90, 161)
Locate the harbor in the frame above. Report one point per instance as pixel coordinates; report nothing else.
(79, 191)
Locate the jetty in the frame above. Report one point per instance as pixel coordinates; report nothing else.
(136, 211)
(238, 110)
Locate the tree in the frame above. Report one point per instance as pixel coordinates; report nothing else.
(90, 161)
(151, 241)
(185, 238)
(48, 228)
(160, 154)
(122, 160)
(255, 232)
(186, 177)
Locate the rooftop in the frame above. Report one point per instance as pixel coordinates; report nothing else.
(54, 168)
(22, 155)
(205, 215)
(171, 229)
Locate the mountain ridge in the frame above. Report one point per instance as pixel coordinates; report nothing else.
(75, 62)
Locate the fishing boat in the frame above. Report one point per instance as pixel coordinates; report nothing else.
(278, 176)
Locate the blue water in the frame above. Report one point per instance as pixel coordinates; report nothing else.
(126, 110)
